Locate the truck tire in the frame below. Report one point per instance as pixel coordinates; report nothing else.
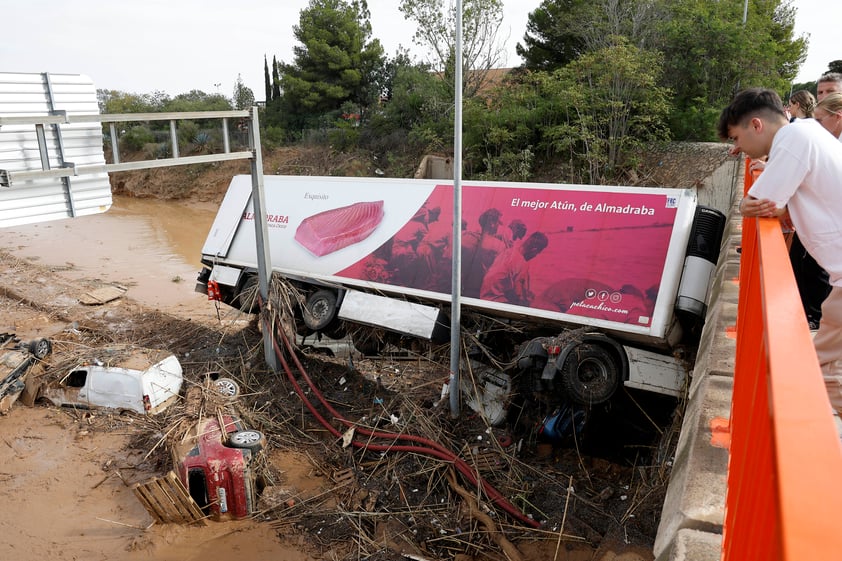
(40, 348)
(591, 374)
(319, 309)
(247, 296)
(248, 439)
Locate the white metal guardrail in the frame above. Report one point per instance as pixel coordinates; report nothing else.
(52, 163)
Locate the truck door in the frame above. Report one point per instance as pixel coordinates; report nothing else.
(228, 217)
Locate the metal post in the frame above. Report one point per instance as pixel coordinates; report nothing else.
(226, 145)
(261, 232)
(174, 138)
(115, 148)
(456, 283)
(65, 181)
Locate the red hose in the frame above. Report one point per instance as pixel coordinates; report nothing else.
(429, 448)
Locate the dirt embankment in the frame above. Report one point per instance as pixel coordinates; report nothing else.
(208, 182)
(683, 165)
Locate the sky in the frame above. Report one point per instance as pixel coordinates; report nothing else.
(176, 46)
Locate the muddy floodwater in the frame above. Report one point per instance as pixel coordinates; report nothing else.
(151, 247)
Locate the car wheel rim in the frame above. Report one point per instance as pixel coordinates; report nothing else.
(247, 437)
(226, 388)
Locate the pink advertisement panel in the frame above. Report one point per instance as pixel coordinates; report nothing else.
(585, 253)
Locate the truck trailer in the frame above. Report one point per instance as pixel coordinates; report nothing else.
(598, 283)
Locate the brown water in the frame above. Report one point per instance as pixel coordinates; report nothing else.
(151, 247)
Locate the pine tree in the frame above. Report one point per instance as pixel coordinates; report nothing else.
(276, 80)
(266, 81)
(331, 69)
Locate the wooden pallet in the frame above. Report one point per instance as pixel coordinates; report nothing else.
(488, 461)
(168, 501)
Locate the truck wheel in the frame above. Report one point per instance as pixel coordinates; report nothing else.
(248, 439)
(590, 375)
(40, 348)
(247, 295)
(320, 309)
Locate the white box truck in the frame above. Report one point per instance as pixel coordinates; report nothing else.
(581, 287)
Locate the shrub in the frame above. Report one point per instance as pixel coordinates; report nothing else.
(136, 137)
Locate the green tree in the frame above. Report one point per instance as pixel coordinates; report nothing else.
(115, 102)
(611, 102)
(559, 31)
(593, 116)
(554, 34)
(197, 100)
(418, 109)
(267, 81)
(710, 53)
(502, 130)
(436, 31)
(243, 96)
(336, 62)
(276, 80)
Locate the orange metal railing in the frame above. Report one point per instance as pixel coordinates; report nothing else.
(784, 493)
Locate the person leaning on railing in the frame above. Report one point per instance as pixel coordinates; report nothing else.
(802, 174)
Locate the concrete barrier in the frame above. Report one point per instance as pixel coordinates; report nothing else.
(694, 507)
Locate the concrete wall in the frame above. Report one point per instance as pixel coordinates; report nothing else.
(694, 507)
(435, 167)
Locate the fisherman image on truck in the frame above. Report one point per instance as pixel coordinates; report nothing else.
(569, 291)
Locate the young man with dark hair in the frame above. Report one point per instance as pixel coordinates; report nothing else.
(804, 175)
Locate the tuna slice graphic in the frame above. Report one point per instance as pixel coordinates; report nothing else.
(334, 229)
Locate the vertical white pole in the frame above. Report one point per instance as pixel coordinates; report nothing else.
(261, 233)
(456, 290)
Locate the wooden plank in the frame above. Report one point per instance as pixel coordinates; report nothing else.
(101, 295)
(488, 461)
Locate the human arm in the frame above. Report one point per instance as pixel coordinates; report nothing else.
(764, 208)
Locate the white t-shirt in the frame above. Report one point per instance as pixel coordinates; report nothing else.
(804, 172)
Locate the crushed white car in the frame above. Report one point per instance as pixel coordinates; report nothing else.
(144, 381)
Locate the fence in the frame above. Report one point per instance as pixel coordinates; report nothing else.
(784, 495)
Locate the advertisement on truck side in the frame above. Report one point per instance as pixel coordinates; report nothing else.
(604, 256)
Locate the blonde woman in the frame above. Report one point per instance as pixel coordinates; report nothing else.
(801, 105)
(829, 114)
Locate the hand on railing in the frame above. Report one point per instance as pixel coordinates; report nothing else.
(763, 208)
